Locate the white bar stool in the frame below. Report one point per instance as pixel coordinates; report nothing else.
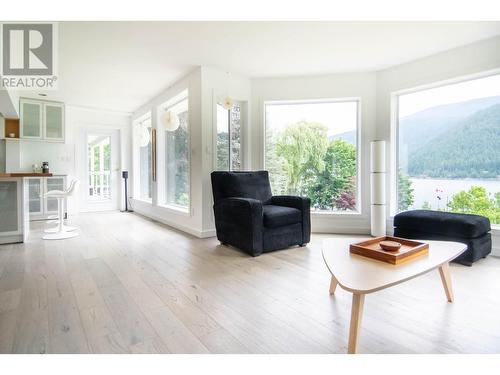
(61, 231)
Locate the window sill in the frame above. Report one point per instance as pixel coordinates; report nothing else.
(176, 209)
(142, 200)
(335, 213)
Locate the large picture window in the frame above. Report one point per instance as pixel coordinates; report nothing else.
(177, 165)
(311, 150)
(448, 148)
(229, 153)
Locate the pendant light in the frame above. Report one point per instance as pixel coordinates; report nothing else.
(227, 103)
(170, 121)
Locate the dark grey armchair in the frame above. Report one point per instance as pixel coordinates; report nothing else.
(248, 217)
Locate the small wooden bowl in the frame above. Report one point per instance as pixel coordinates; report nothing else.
(390, 245)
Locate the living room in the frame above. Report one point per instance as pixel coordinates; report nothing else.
(196, 186)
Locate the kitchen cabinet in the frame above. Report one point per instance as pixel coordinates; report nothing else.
(41, 208)
(42, 120)
(14, 225)
(31, 124)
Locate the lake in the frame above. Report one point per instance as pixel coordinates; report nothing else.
(425, 189)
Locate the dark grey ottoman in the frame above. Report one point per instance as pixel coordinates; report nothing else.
(472, 230)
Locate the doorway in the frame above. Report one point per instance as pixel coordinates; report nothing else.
(99, 170)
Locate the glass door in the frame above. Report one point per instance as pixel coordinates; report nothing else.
(99, 167)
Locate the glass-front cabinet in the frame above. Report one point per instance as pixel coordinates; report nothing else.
(54, 121)
(31, 119)
(9, 207)
(41, 208)
(52, 183)
(42, 120)
(14, 224)
(35, 199)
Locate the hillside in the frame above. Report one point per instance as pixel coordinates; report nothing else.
(454, 154)
(349, 137)
(424, 126)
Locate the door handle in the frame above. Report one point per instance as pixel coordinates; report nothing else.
(153, 154)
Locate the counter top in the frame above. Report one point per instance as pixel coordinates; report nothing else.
(25, 174)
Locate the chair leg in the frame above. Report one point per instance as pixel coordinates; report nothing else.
(59, 233)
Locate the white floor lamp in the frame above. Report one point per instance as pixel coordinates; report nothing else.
(377, 183)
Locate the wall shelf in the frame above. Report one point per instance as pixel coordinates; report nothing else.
(11, 126)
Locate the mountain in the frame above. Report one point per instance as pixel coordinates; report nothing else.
(469, 148)
(349, 137)
(422, 127)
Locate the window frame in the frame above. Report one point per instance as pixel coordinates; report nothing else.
(394, 122)
(137, 159)
(242, 105)
(175, 99)
(359, 141)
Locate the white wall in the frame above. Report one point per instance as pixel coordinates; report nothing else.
(9, 104)
(189, 222)
(206, 85)
(467, 61)
(70, 158)
(354, 85)
(63, 157)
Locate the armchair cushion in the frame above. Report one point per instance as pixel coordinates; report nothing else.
(278, 216)
(253, 185)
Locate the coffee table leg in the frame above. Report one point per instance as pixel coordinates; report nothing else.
(333, 285)
(358, 301)
(444, 272)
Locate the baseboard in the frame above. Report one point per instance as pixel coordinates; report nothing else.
(207, 233)
(342, 230)
(15, 238)
(149, 215)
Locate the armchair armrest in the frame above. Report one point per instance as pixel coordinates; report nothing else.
(300, 203)
(241, 210)
(239, 222)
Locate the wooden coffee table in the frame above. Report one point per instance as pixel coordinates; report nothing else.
(360, 275)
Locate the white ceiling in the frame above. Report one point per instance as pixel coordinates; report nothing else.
(121, 65)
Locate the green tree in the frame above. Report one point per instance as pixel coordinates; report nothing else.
(275, 165)
(338, 177)
(405, 192)
(477, 201)
(302, 146)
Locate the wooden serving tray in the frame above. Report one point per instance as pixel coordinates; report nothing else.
(371, 249)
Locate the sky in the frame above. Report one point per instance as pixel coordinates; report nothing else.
(339, 117)
(455, 93)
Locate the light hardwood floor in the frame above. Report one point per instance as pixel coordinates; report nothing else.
(130, 285)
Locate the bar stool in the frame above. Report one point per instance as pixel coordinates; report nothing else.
(61, 231)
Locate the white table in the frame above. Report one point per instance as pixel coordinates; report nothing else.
(360, 275)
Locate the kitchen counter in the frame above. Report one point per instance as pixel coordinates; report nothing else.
(26, 174)
(14, 209)
(22, 199)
